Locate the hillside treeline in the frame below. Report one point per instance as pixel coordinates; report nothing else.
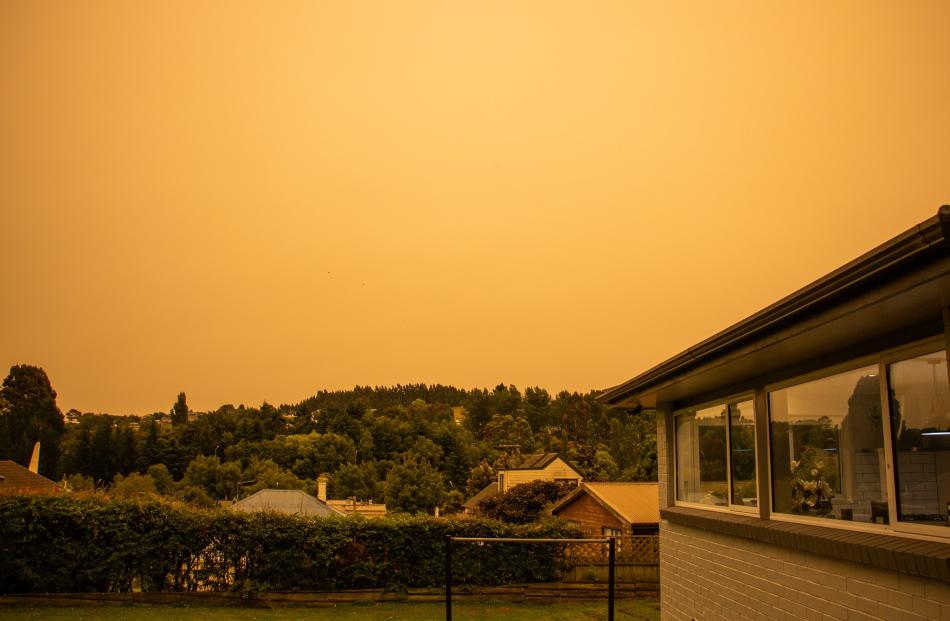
(414, 447)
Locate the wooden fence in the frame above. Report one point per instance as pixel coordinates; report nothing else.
(638, 560)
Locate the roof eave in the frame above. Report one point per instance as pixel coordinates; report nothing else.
(912, 243)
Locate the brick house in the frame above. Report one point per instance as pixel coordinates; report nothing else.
(804, 452)
(611, 509)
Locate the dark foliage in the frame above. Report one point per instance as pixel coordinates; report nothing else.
(524, 503)
(65, 544)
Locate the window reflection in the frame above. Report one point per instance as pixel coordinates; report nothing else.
(701, 456)
(920, 415)
(828, 448)
(742, 453)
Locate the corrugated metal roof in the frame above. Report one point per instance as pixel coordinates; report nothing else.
(286, 501)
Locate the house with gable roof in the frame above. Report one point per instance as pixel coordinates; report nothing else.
(537, 467)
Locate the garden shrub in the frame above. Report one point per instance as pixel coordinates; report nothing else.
(70, 544)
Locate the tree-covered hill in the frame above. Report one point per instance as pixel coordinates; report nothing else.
(413, 446)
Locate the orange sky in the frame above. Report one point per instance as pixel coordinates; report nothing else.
(252, 201)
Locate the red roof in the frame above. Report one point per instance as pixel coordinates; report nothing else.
(16, 480)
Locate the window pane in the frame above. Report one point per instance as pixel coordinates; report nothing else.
(701, 456)
(742, 453)
(828, 448)
(920, 414)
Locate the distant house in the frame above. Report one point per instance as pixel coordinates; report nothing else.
(538, 467)
(15, 480)
(352, 506)
(612, 509)
(286, 501)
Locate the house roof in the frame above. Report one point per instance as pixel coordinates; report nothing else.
(633, 503)
(534, 462)
(287, 501)
(905, 280)
(490, 491)
(366, 509)
(539, 461)
(15, 479)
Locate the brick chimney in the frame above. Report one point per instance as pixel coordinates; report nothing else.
(322, 487)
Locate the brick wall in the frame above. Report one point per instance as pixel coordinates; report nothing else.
(591, 516)
(708, 577)
(662, 458)
(918, 474)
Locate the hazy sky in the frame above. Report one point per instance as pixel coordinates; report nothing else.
(251, 201)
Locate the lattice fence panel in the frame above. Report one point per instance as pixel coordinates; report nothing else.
(639, 549)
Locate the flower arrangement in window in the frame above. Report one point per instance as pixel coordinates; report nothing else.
(811, 492)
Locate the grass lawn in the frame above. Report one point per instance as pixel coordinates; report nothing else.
(629, 610)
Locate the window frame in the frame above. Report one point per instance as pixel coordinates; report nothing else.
(882, 360)
(725, 402)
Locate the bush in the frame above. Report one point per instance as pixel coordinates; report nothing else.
(68, 544)
(524, 503)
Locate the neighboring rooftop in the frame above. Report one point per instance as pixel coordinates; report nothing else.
(489, 491)
(358, 507)
(16, 480)
(634, 503)
(533, 462)
(286, 501)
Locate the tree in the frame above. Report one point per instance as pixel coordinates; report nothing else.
(162, 478)
(413, 486)
(80, 483)
(135, 485)
(216, 479)
(30, 415)
(524, 503)
(357, 480)
(180, 410)
(603, 466)
(480, 477)
(507, 430)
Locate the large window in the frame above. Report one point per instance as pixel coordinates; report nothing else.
(827, 439)
(920, 419)
(715, 455)
(742, 453)
(867, 445)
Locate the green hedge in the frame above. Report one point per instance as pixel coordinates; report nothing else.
(67, 544)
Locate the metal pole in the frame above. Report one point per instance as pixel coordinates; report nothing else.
(448, 578)
(610, 578)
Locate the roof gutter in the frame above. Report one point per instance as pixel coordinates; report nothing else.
(931, 233)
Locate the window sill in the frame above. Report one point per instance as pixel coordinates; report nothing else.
(915, 557)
